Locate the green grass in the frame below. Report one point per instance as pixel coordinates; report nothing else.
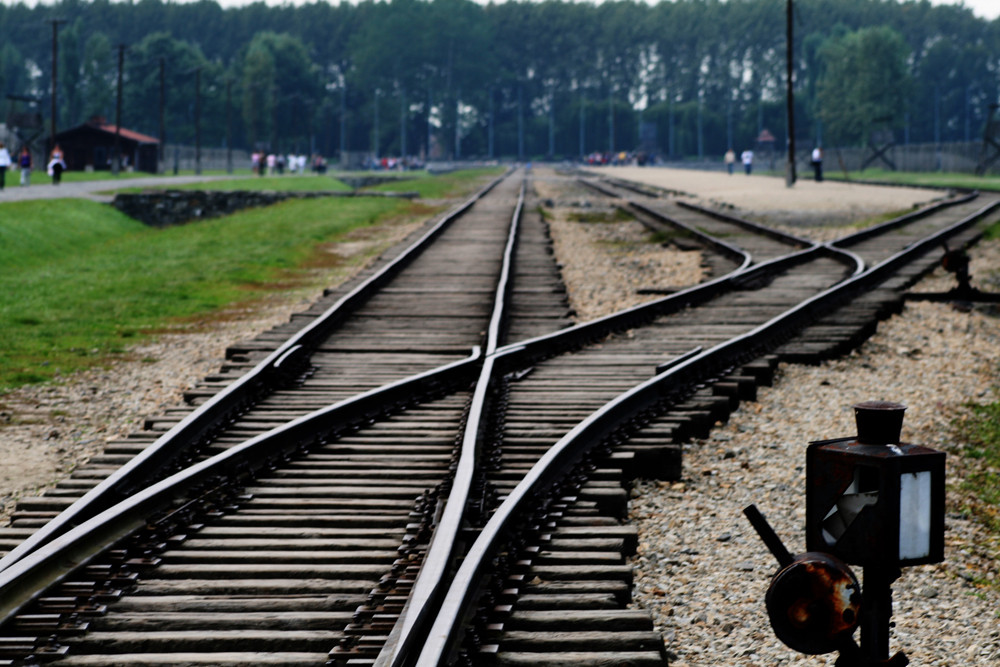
(941, 179)
(979, 430)
(435, 187)
(80, 282)
(290, 183)
(39, 177)
(91, 280)
(616, 214)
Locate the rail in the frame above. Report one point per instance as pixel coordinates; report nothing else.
(442, 551)
(197, 428)
(459, 602)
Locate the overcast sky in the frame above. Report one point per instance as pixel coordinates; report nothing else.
(989, 9)
(985, 8)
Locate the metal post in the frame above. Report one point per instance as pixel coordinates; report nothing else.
(229, 125)
(670, 127)
(790, 65)
(163, 108)
(374, 146)
(611, 121)
(701, 141)
(402, 123)
(729, 121)
(520, 122)
(197, 121)
(343, 124)
(552, 124)
(491, 129)
(55, 77)
(876, 621)
(116, 165)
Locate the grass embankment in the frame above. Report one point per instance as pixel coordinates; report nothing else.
(978, 431)
(80, 282)
(938, 179)
(289, 183)
(39, 177)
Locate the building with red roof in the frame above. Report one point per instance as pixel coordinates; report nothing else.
(92, 146)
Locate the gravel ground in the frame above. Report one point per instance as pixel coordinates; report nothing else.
(701, 570)
(47, 431)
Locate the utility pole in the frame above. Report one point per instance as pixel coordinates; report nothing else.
(343, 123)
(490, 135)
(611, 119)
(402, 123)
(197, 121)
(520, 122)
(55, 74)
(374, 148)
(116, 166)
(229, 125)
(790, 65)
(163, 111)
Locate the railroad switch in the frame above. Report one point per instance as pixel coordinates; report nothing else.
(870, 501)
(957, 262)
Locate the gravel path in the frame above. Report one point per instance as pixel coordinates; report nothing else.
(701, 569)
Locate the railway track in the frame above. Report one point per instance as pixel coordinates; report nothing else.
(318, 551)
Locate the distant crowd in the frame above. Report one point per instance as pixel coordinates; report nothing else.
(275, 165)
(22, 161)
(639, 158)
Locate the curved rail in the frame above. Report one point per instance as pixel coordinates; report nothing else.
(51, 562)
(196, 428)
(441, 553)
(458, 604)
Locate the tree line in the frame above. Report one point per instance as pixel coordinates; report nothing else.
(517, 78)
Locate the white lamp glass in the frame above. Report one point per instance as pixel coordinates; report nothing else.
(915, 515)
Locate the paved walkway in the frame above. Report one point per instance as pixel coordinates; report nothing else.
(43, 188)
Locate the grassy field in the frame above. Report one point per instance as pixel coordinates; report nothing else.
(939, 179)
(272, 183)
(80, 281)
(39, 177)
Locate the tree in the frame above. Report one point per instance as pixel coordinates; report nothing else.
(865, 79)
(281, 91)
(98, 72)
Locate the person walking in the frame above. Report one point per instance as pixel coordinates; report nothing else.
(56, 164)
(24, 162)
(4, 163)
(817, 163)
(747, 157)
(730, 160)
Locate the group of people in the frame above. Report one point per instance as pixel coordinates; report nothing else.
(56, 164)
(746, 157)
(271, 164)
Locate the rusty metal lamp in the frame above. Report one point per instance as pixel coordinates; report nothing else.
(871, 501)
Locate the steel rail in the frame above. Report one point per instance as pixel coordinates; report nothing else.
(442, 551)
(197, 427)
(52, 562)
(446, 633)
(741, 257)
(519, 355)
(70, 551)
(749, 225)
(901, 221)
